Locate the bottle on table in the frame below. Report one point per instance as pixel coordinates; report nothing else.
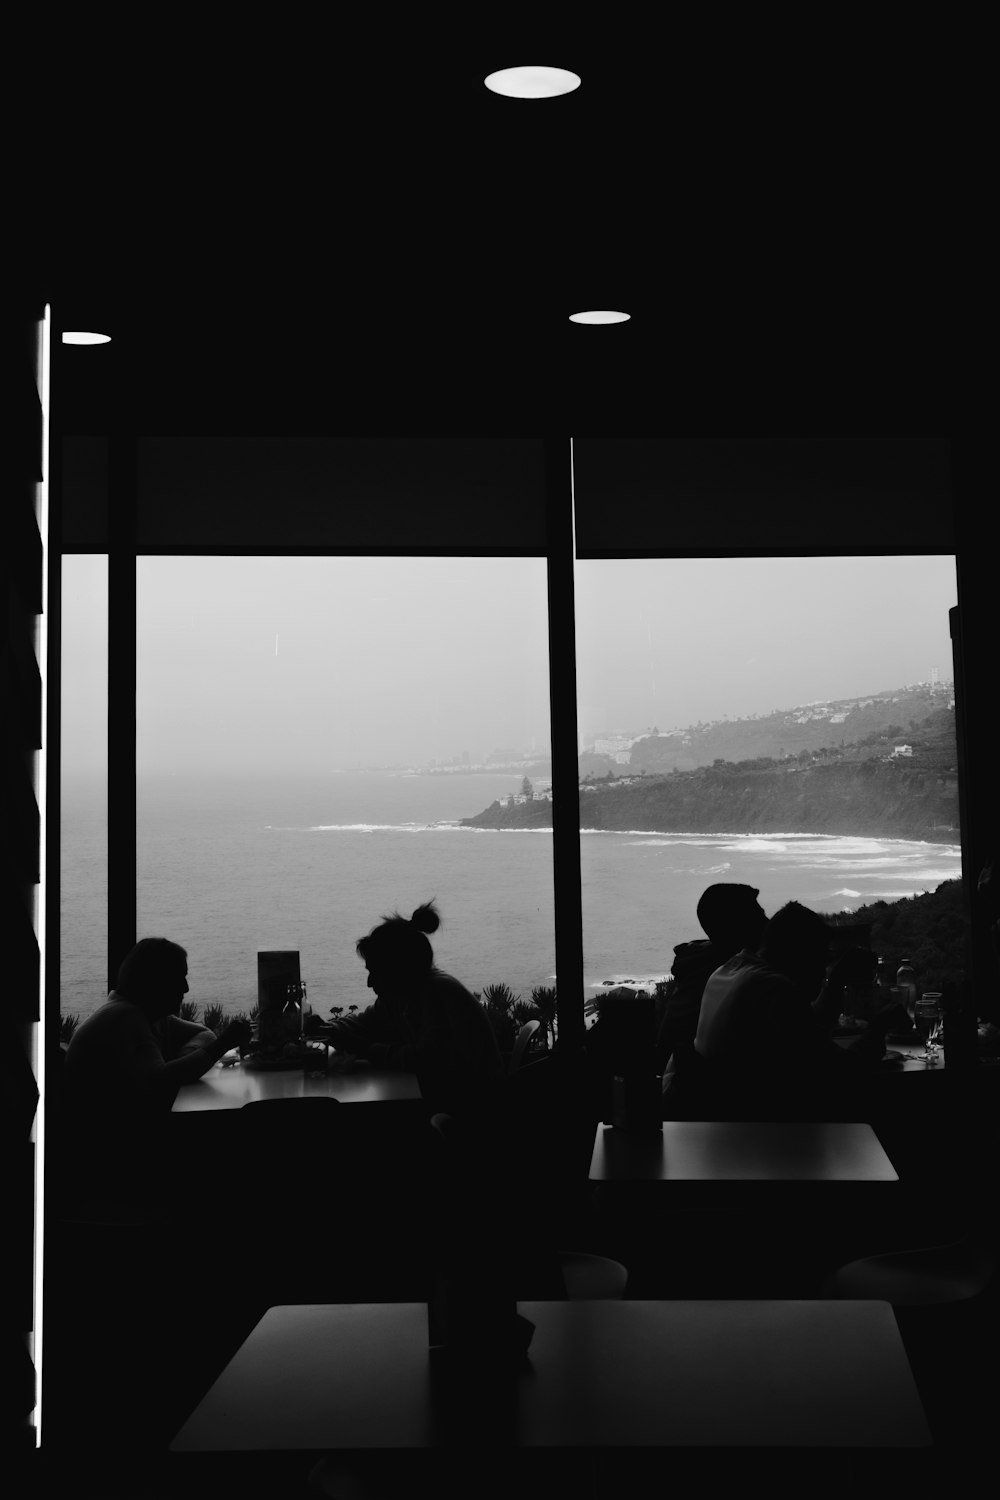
(906, 980)
(928, 1020)
(291, 1015)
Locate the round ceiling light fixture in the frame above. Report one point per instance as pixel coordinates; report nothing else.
(86, 338)
(532, 82)
(599, 317)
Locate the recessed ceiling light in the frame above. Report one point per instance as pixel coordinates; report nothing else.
(599, 317)
(86, 338)
(532, 82)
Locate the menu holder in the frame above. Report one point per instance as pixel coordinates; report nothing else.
(279, 997)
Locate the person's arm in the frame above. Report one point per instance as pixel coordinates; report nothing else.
(183, 1037)
(357, 1034)
(433, 1047)
(431, 1040)
(194, 1064)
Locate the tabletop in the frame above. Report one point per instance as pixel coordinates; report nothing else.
(714, 1374)
(351, 1083)
(903, 1057)
(721, 1151)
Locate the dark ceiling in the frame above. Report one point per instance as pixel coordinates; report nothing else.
(311, 227)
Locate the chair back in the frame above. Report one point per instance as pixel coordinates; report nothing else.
(588, 1277)
(281, 1142)
(521, 1043)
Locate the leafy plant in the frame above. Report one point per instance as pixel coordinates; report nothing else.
(498, 1001)
(214, 1018)
(522, 1011)
(188, 1010)
(67, 1026)
(543, 998)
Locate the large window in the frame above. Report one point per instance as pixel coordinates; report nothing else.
(311, 733)
(786, 723)
(84, 785)
(283, 701)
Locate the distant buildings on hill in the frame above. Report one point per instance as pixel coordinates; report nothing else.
(618, 746)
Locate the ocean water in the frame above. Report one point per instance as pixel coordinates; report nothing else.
(230, 867)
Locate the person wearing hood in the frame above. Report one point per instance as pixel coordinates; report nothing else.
(732, 919)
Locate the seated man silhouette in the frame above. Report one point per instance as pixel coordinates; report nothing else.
(124, 1065)
(763, 1047)
(731, 918)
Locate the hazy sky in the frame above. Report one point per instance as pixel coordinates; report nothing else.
(309, 663)
(672, 642)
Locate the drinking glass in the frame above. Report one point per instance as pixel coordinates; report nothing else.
(315, 1058)
(927, 1019)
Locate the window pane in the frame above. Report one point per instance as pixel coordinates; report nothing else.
(84, 786)
(310, 732)
(785, 723)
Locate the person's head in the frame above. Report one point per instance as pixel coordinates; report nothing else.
(796, 942)
(154, 976)
(397, 951)
(731, 917)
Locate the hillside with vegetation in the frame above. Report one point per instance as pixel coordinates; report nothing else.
(871, 788)
(931, 930)
(784, 733)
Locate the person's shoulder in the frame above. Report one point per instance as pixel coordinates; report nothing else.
(105, 1015)
(443, 983)
(695, 954)
(749, 962)
(739, 966)
(744, 973)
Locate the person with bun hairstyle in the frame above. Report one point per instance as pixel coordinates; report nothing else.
(423, 1020)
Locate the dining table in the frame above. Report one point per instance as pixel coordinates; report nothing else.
(902, 1055)
(721, 1151)
(745, 1206)
(602, 1378)
(351, 1081)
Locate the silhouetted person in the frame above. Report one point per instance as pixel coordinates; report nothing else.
(731, 918)
(422, 1020)
(764, 1027)
(124, 1065)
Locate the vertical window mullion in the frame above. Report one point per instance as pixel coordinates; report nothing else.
(565, 765)
(121, 700)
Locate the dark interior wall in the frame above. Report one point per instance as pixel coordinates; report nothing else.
(978, 703)
(634, 497)
(20, 1008)
(740, 497)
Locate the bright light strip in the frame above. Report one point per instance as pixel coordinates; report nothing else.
(38, 1129)
(532, 82)
(86, 338)
(599, 317)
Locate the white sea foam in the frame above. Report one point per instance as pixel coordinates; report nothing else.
(375, 828)
(627, 982)
(317, 893)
